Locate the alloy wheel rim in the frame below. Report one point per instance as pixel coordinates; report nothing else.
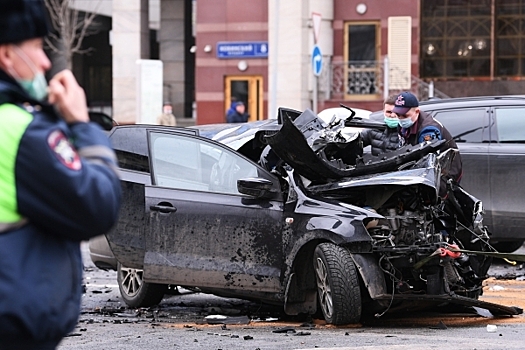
(323, 288)
(131, 280)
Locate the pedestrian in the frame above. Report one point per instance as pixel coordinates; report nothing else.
(416, 126)
(238, 115)
(387, 140)
(167, 117)
(58, 185)
(232, 105)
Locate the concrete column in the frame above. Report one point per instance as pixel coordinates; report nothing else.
(130, 42)
(290, 36)
(171, 42)
(288, 72)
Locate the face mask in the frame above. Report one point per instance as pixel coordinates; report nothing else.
(391, 122)
(36, 87)
(406, 123)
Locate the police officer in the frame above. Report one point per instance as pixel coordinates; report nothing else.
(416, 126)
(58, 185)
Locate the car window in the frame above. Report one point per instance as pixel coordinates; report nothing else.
(194, 164)
(132, 161)
(510, 124)
(465, 125)
(131, 153)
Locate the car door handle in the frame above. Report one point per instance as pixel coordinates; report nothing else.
(163, 208)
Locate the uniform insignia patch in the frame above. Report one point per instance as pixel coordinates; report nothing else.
(64, 151)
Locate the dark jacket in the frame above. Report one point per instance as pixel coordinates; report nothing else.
(59, 186)
(381, 141)
(236, 117)
(426, 129)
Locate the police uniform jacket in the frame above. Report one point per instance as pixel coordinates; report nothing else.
(427, 128)
(58, 186)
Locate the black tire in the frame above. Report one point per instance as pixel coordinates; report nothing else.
(338, 290)
(508, 247)
(136, 292)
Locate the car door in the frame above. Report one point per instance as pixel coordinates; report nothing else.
(507, 170)
(201, 231)
(470, 128)
(126, 239)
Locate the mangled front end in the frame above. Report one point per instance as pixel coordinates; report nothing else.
(420, 243)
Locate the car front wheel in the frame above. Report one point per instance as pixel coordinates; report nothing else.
(338, 288)
(136, 292)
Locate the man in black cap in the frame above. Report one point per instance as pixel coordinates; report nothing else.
(416, 126)
(58, 185)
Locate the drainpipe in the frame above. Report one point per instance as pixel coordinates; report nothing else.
(430, 90)
(386, 74)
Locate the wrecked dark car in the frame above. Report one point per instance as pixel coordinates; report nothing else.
(291, 212)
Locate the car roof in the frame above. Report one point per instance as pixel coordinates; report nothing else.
(233, 135)
(472, 101)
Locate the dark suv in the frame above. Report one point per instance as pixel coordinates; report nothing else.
(490, 133)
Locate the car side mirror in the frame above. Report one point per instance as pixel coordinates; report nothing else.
(102, 119)
(255, 187)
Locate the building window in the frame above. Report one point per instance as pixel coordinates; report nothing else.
(362, 69)
(482, 38)
(510, 34)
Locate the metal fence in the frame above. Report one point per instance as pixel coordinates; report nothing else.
(340, 80)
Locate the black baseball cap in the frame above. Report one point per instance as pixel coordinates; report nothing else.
(404, 102)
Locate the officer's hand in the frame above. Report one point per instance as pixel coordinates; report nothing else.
(68, 97)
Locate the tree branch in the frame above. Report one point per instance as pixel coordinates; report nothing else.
(71, 28)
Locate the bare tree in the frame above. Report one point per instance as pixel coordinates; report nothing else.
(71, 27)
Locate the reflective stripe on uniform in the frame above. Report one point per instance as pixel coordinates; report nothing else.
(5, 227)
(13, 124)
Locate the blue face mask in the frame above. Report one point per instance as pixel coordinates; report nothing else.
(391, 122)
(36, 87)
(406, 123)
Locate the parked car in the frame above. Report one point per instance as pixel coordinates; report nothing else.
(324, 228)
(490, 134)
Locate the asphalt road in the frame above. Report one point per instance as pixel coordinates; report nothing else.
(180, 322)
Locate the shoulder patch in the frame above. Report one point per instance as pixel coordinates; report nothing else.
(64, 151)
(429, 133)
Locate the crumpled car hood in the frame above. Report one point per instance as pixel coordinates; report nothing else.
(424, 174)
(321, 153)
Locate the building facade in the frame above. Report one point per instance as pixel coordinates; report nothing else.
(314, 53)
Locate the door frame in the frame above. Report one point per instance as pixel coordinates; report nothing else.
(255, 94)
(375, 70)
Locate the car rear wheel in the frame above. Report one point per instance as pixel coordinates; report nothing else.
(338, 288)
(136, 292)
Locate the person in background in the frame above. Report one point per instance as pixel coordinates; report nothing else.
(59, 185)
(233, 102)
(386, 140)
(417, 126)
(239, 115)
(167, 117)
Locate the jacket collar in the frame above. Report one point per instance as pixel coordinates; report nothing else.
(12, 92)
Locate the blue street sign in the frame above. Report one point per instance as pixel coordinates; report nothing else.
(242, 49)
(317, 60)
